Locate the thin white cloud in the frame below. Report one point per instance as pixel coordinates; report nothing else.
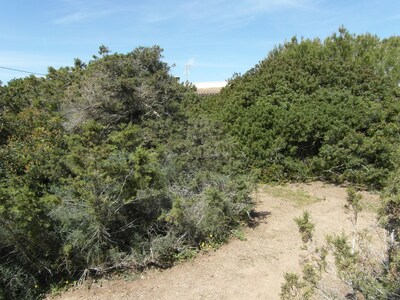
(81, 16)
(80, 11)
(224, 13)
(272, 4)
(233, 9)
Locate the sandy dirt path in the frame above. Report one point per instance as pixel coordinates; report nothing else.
(250, 269)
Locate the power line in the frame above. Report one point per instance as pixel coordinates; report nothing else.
(23, 71)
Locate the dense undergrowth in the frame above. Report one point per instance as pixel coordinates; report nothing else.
(318, 109)
(326, 110)
(115, 164)
(103, 166)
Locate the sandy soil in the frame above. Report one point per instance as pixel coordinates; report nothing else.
(206, 91)
(204, 88)
(250, 269)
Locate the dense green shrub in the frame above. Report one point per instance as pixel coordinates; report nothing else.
(105, 166)
(318, 109)
(115, 164)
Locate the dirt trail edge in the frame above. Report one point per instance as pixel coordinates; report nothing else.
(250, 269)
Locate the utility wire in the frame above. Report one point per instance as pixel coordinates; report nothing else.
(17, 70)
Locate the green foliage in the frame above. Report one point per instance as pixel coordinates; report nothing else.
(113, 163)
(390, 210)
(369, 276)
(318, 109)
(390, 219)
(122, 88)
(306, 228)
(303, 288)
(291, 289)
(29, 167)
(354, 202)
(107, 165)
(364, 274)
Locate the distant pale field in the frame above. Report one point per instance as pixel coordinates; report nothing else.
(209, 87)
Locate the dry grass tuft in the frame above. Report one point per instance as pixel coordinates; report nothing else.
(298, 196)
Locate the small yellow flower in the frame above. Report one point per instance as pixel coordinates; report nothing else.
(210, 235)
(36, 286)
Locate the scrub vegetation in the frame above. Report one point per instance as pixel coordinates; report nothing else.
(113, 164)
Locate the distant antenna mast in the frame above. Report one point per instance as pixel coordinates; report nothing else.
(187, 70)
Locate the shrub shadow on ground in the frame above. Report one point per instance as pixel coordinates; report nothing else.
(257, 217)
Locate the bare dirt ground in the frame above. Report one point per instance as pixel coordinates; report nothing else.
(249, 269)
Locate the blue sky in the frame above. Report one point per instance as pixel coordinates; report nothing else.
(217, 37)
